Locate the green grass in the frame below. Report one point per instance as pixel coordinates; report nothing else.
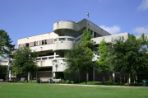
(34, 90)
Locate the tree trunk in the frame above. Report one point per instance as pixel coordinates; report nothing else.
(94, 74)
(120, 79)
(87, 77)
(79, 77)
(103, 77)
(113, 77)
(10, 75)
(124, 78)
(135, 79)
(129, 79)
(29, 74)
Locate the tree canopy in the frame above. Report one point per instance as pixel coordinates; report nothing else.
(128, 57)
(103, 60)
(6, 49)
(80, 57)
(6, 46)
(24, 61)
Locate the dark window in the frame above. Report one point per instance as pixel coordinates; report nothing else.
(50, 57)
(45, 58)
(35, 43)
(61, 39)
(44, 42)
(27, 45)
(70, 39)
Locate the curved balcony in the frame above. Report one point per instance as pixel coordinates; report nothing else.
(64, 43)
(59, 64)
(70, 25)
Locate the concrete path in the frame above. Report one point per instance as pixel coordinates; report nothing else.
(84, 85)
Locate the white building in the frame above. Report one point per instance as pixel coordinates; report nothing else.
(53, 46)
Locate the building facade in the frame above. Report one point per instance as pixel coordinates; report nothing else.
(53, 46)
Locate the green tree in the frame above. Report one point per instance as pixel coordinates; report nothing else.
(6, 49)
(124, 56)
(6, 46)
(103, 60)
(143, 39)
(143, 55)
(127, 57)
(132, 57)
(116, 56)
(24, 62)
(103, 56)
(80, 57)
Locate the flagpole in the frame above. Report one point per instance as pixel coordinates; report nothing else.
(87, 24)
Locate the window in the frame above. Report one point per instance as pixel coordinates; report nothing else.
(44, 42)
(50, 57)
(38, 58)
(44, 58)
(27, 45)
(35, 43)
(61, 39)
(70, 39)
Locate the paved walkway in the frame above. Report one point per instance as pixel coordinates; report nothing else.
(78, 85)
(84, 85)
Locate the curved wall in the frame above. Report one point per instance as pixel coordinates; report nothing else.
(64, 43)
(64, 25)
(60, 43)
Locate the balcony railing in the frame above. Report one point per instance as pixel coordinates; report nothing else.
(57, 63)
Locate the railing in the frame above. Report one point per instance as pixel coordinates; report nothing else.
(64, 43)
(64, 38)
(57, 63)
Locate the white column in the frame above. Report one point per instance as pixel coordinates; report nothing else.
(9, 75)
(129, 79)
(53, 75)
(113, 76)
(54, 55)
(29, 76)
(9, 71)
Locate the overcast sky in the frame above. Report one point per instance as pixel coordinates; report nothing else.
(23, 18)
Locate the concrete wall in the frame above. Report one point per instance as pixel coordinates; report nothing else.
(110, 38)
(65, 25)
(30, 39)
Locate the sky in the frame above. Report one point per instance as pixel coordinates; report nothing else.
(24, 18)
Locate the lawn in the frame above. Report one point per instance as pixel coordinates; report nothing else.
(34, 90)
